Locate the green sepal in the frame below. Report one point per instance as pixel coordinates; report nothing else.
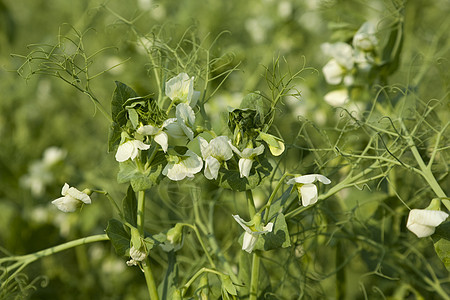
(135, 238)
(231, 179)
(129, 206)
(120, 238)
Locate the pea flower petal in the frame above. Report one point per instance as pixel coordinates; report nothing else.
(246, 158)
(72, 199)
(215, 152)
(423, 222)
(181, 88)
(306, 189)
(183, 166)
(130, 149)
(252, 232)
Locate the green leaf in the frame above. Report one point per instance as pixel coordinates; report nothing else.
(255, 101)
(121, 94)
(227, 285)
(231, 179)
(129, 206)
(442, 248)
(278, 238)
(114, 136)
(168, 287)
(443, 231)
(119, 237)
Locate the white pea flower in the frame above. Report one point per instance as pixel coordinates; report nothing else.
(72, 199)
(246, 158)
(130, 149)
(137, 256)
(339, 68)
(157, 133)
(337, 97)
(179, 129)
(53, 155)
(365, 39)
(253, 230)
(180, 167)
(181, 89)
(306, 188)
(423, 222)
(215, 152)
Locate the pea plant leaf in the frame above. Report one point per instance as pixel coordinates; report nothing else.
(120, 238)
(129, 206)
(231, 179)
(442, 248)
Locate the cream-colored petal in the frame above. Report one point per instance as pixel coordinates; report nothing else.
(212, 167)
(163, 140)
(337, 97)
(333, 72)
(124, 151)
(67, 204)
(245, 166)
(73, 192)
(249, 242)
(422, 222)
(309, 194)
(268, 227)
(65, 188)
(242, 223)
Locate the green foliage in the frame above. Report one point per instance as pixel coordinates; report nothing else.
(443, 251)
(385, 148)
(119, 237)
(230, 178)
(140, 179)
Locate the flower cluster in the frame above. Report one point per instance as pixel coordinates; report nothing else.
(41, 172)
(348, 61)
(175, 134)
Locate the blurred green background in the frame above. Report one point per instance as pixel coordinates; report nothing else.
(43, 112)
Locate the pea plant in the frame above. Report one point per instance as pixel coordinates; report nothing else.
(251, 221)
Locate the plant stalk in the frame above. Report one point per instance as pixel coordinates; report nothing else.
(255, 277)
(149, 279)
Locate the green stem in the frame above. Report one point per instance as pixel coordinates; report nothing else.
(23, 260)
(149, 279)
(272, 196)
(196, 275)
(140, 212)
(197, 233)
(250, 203)
(111, 200)
(255, 277)
(426, 171)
